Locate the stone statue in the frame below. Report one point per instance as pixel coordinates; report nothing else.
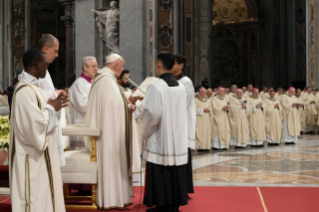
(108, 24)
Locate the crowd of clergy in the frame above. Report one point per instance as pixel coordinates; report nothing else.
(244, 116)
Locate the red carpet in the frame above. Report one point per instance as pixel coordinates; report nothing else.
(233, 199)
(291, 199)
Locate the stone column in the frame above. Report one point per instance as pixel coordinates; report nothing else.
(68, 20)
(202, 39)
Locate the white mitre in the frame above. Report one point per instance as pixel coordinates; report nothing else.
(112, 58)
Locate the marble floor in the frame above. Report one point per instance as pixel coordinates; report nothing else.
(279, 166)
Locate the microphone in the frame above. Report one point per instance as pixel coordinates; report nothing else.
(133, 83)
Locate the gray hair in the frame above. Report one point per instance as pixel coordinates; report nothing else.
(85, 60)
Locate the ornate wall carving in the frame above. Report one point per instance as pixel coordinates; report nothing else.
(300, 40)
(165, 25)
(311, 44)
(151, 36)
(234, 11)
(18, 29)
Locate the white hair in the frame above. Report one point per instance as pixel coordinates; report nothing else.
(85, 60)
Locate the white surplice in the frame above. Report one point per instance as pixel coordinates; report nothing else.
(35, 175)
(136, 154)
(191, 111)
(165, 124)
(48, 88)
(79, 94)
(106, 111)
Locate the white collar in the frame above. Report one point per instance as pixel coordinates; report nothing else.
(26, 77)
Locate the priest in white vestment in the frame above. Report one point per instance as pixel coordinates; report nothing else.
(291, 124)
(136, 157)
(238, 120)
(79, 95)
(177, 71)
(35, 175)
(109, 111)
(220, 123)
(256, 119)
(49, 45)
(203, 121)
(301, 109)
(249, 91)
(273, 118)
(166, 144)
(311, 111)
(232, 93)
(263, 93)
(244, 89)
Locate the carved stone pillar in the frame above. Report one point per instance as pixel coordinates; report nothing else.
(203, 27)
(68, 20)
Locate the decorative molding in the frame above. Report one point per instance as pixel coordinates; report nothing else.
(189, 38)
(165, 25)
(311, 43)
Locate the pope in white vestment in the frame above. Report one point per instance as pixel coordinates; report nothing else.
(108, 110)
(35, 175)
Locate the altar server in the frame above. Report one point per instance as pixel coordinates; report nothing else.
(177, 71)
(203, 120)
(273, 118)
(49, 45)
(79, 94)
(35, 175)
(291, 124)
(109, 111)
(311, 112)
(136, 154)
(256, 119)
(166, 144)
(220, 124)
(238, 119)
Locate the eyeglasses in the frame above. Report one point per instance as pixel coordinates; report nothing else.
(93, 67)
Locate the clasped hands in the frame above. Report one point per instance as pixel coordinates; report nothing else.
(206, 110)
(61, 101)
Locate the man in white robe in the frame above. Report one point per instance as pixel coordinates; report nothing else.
(79, 94)
(249, 91)
(166, 144)
(291, 125)
(136, 163)
(220, 123)
(35, 175)
(49, 45)
(108, 110)
(244, 89)
(263, 93)
(311, 111)
(177, 71)
(232, 93)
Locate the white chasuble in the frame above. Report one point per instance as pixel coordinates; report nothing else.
(311, 111)
(238, 120)
(79, 94)
(256, 121)
(203, 123)
(35, 175)
(220, 124)
(165, 124)
(136, 154)
(302, 113)
(291, 125)
(273, 120)
(191, 111)
(107, 110)
(48, 89)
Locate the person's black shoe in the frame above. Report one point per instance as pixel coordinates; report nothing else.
(158, 209)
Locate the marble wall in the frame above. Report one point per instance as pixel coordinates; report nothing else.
(134, 37)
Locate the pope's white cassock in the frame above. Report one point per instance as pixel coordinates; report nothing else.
(273, 120)
(35, 175)
(311, 111)
(238, 119)
(203, 123)
(79, 94)
(256, 122)
(136, 157)
(108, 110)
(291, 125)
(220, 125)
(48, 88)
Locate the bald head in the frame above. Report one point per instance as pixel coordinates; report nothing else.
(221, 92)
(239, 93)
(209, 93)
(202, 92)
